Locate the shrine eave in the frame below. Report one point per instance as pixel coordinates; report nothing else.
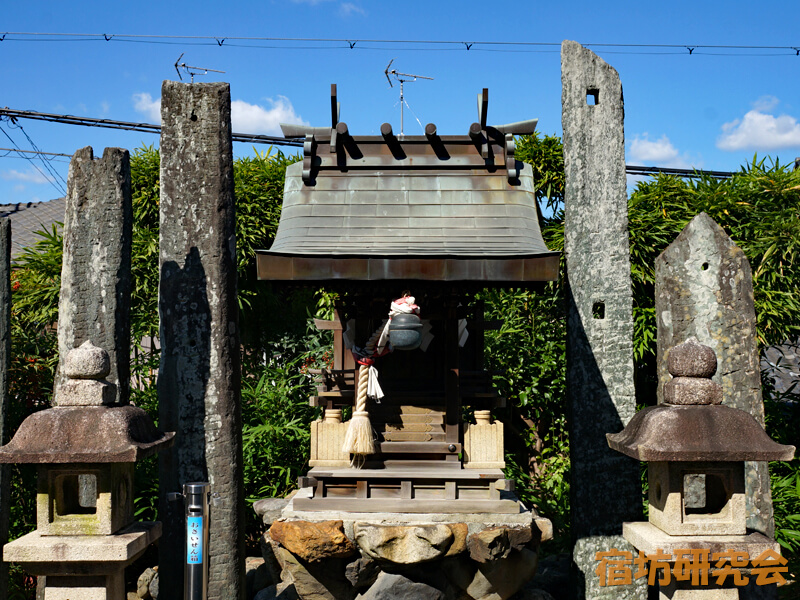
(516, 269)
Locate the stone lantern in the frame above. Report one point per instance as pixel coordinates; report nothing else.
(85, 448)
(696, 448)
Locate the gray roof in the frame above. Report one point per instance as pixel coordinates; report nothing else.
(30, 217)
(464, 213)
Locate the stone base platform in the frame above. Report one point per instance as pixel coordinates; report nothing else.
(89, 567)
(475, 522)
(338, 555)
(649, 538)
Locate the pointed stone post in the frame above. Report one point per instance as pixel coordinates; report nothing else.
(704, 288)
(199, 377)
(5, 359)
(95, 298)
(605, 486)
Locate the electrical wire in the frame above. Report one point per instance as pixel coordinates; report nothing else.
(467, 45)
(132, 126)
(275, 141)
(52, 182)
(10, 150)
(45, 161)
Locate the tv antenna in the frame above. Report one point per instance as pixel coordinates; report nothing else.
(192, 71)
(402, 78)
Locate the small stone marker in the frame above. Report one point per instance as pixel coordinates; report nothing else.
(605, 489)
(198, 382)
(85, 368)
(704, 289)
(96, 273)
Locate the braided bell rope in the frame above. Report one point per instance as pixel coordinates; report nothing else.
(359, 439)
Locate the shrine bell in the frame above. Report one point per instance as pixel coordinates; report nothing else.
(405, 332)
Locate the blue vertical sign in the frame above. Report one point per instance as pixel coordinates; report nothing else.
(194, 540)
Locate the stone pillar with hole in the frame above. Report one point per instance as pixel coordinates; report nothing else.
(605, 488)
(199, 376)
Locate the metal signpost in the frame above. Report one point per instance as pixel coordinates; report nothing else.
(197, 499)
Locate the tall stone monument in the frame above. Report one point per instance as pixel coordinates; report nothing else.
(96, 271)
(199, 378)
(5, 357)
(704, 288)
(605, 488)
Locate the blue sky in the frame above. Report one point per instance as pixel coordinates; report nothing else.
(712, 109)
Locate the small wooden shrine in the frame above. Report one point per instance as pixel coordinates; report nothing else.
(402, 221)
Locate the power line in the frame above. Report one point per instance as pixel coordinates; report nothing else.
(637, 170)
(33, 152)
(278, 141)
(52, 182)
(131, 126)
(358, 44)
(45, 161)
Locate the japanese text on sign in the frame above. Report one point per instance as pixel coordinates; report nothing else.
(194, 540)
(620, 567)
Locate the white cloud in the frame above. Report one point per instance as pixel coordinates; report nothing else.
(253, 118)
(760, 130)
(144, 103)
(766, 103)
(658, 152)
(29, 176)
(245, 117)
(345, 8)
(348, 8)
(105, 107)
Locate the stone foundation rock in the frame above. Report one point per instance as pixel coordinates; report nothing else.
(256, 575)
(396, 556)
(410, 544)
(313, 541)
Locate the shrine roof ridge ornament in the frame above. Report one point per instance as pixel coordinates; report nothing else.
(334, 148)
(430, 207)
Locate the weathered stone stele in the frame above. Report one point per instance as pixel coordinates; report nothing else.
(704, 289)
(198, 382)
(5, 356)
(96, 272)
(605, 487)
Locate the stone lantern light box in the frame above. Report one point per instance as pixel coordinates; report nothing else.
(696, 449)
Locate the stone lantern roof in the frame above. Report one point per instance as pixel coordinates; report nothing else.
(96, 434)
(86, 426)
(692, 425)
(696, 433)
